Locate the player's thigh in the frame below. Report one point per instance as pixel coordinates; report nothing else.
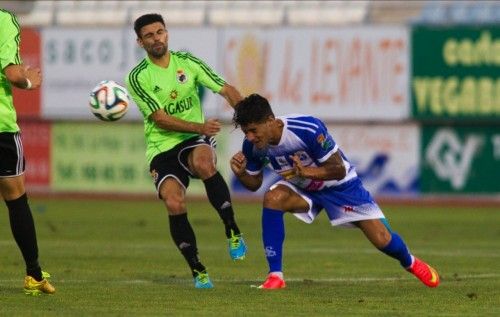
(202, 161)
(173, 195)
(12, 187)
(11, 166)
(284, 198)
(376, 231)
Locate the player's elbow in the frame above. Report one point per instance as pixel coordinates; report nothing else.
(253, 185)
(231, 94)
(342, 172)
(337, 172)
(160, 118)
(253, 188)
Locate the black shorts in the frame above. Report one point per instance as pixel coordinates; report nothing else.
(11, 154)
(174, 163)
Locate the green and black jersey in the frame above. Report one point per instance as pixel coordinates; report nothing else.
(173, 89)
(9, 54)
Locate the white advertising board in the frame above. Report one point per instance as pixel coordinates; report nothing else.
(355, 73)
(76, 59)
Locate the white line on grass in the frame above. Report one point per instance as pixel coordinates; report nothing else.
(315, 280)
(144, 246)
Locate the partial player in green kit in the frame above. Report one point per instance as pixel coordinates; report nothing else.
(12, 189)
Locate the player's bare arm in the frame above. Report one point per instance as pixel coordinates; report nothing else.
(23, 76)
(231, 94)
(238, 165)
(332, 168)
(209, 128)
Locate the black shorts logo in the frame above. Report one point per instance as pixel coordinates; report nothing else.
(154, 176)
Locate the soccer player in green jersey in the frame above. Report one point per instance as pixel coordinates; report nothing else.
(180, 142)
(14, 72)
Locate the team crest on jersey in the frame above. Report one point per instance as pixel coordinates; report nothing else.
(181, 76)
(154, 176)
(173, 94)
(282, 161)
(302, 156)
(323, 141)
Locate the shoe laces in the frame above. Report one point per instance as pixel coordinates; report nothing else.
(423, 270)
(234, 240)
(202, 277)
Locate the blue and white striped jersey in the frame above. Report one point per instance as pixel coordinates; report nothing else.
(306, 136)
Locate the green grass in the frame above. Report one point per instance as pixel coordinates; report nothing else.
(113, 258)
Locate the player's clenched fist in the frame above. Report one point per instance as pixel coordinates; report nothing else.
(211, 127)
(34, 75)
(238, 163)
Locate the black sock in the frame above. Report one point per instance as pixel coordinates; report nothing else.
(219, 197)
(185, 240)
(23, 230)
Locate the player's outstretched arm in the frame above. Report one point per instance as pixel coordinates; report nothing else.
(209, 128)
(238, 165)
(231, 94)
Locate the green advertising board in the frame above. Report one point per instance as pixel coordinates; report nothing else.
(99, 157)
(456, 72)
(460, 159)
(105, 157)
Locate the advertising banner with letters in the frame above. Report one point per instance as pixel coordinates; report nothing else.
(350, 73)
(99, 157)
(456, 72)
(110, 158)
(76, 59)
(460, 159)
(354, 73)
(386, 157)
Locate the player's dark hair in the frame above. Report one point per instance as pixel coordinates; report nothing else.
(252, 109)
(147, 19)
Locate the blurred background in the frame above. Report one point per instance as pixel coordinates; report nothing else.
(410, 90)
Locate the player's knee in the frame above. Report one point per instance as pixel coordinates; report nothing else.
(204, 167)
(275, 199)
(12, 188)
(175, 205)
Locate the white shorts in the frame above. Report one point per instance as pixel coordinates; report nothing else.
(343, 204)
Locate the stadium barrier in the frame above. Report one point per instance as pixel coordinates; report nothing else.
(385, 92)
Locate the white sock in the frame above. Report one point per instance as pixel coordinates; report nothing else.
(412, 261)
(280, 274)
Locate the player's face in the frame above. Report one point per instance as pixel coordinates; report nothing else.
(154, 39)
(260, 134)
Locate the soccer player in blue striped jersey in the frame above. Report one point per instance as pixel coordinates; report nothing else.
(316, 175)
(179, 141)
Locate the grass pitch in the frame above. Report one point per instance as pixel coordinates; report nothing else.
(116, 258)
